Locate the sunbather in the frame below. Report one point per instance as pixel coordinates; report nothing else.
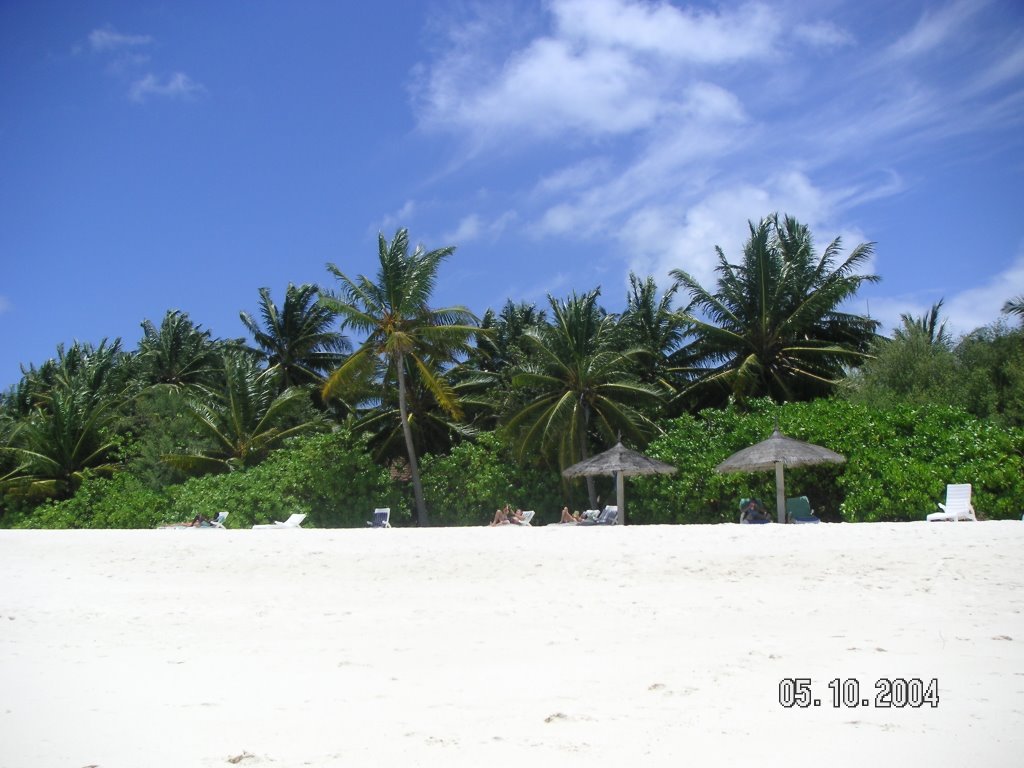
(569, 517)
(754, 512)
(500, 516)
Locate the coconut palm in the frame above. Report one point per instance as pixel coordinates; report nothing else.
(244, 418)
(927, 327)
(578, 386)
(68, 429)
(401, 331)
(484, 380)
(500, 344)
(296, 338)
(774, 326)
(178, 354)
(650, 323)
(1014, 306)
(434, 429)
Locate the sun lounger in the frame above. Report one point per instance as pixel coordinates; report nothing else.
(295, 521)
(527, 517)
(218, 521)
(798, 510)
(608, 516)
(381, 518)
(957, 506)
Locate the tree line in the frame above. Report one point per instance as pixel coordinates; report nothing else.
(370, 357)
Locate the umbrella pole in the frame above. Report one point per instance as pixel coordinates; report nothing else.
(780, 492)
(620, 498)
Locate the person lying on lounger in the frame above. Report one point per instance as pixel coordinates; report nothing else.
(569, 517)
(500, 516)
(754, 512)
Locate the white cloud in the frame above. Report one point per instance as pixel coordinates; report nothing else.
(982, 304)
(823, 34)
(972, 308)
(607, 68)
(550, 88)
(125, 61)
(474, 227)
(675, 126)
(670, 32)
(573, 177)
(1007, 67)
(664, 238)
(468, 229)
(107, 39)
(399, 218)
(177, 86)
(708, 124)
(5, 305)
(934, 28)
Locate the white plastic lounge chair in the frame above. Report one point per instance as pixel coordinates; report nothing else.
(527, 517)
(381, 518)
(218, 521)
(608, 516)
(294, 521)
(957, 506)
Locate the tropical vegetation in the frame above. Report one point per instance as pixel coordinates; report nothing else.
(362, 395)
(404, 337)
(774, 325)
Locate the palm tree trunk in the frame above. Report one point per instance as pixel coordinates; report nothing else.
(585, 454)
(414, 469)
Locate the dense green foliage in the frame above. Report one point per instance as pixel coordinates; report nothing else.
(580, 386)
(983, 372)
(330, 477)
(404, 337)
(104, 437)
(122, 501)
(296, 339)
(773, 327)
(466, 486)
(899, 461)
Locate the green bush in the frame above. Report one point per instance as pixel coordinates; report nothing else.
(331, 478)
(899, 461)
(475, 478)
(122, 501)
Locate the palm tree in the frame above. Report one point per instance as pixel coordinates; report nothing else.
(402, 332)
(651, 324)
(926, 327)
(484, 380)
(579, 386)
(500, 344)
(1014, 306)
(434, 429)
(297, 338)
(244, 418)
(773, 326)
(177, 354)
(68, 429)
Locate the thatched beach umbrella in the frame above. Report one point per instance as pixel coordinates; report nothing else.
(619, 461)
(776, 452)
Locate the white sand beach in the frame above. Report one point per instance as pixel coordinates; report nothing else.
(660, 645)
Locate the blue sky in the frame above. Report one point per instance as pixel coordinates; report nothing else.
(182, 155)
